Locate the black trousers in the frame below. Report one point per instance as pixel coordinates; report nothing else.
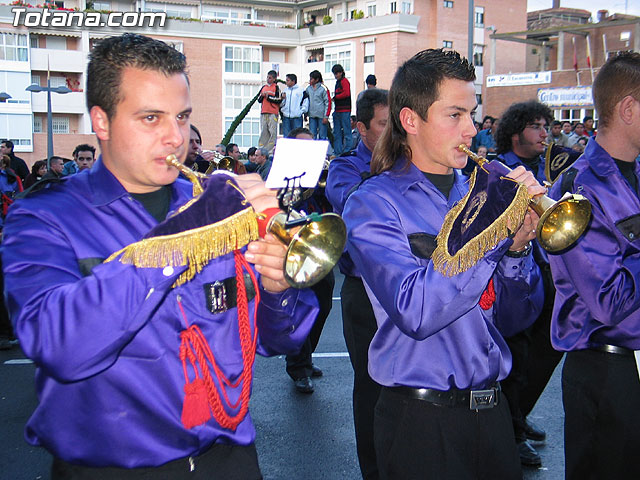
(601, 398)
(299, 365)
(418, 440)
(6, 329)
(220, 462)
(359, 327)
(534, 361)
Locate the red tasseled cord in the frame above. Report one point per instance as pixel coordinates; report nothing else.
(488, 296)
(202, 396)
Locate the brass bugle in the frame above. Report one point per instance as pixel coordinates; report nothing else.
(314, 246)
(223, 162)
(561, 222)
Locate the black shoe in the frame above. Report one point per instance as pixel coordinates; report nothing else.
(528, 455)
(8, 343)
(315, 371)
(533, 432)
(304, 385)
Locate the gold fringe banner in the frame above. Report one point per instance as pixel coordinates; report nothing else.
(195, 248)
(450, 265)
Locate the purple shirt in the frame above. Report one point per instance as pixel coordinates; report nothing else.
(344, 174)
(598, 279)
(431, 330)
(105, 340)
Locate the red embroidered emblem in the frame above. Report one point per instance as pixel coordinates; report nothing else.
(488, 296)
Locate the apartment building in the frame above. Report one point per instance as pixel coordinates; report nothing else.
(565, 48)
(231, 45)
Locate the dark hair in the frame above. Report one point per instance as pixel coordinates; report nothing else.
(272, 73)
(556, 122)
(84, 147)
(516, 119)
(371, 80)
(365, 106)
(622, 72)
(416, 85)
(293, 77)
(488, 117)
(229, 148)
(111, 56)
(297, 131)
(8, 143)
(316, 75)
(567, 121)
(195, 129)
(587, 117)
(337, 68)
(251, 151)
(37, 166)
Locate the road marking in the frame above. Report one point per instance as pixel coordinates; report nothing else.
(18, 361)
(331, 355)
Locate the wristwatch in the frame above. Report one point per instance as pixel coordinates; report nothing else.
(520, 253)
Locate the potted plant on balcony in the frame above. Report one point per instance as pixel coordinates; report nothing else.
(326, 20)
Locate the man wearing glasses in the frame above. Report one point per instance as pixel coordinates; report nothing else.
(520, 140)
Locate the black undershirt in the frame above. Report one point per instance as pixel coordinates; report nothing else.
(444, 183)
(532, 164)
(628, 171)
(156, 203)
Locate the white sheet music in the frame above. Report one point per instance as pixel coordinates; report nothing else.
(294, 157)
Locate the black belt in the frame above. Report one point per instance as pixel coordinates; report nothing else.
(472, 399)
(614, 349)
(223, 294)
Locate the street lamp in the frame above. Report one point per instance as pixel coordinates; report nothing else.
(4, 96)
(37, 88)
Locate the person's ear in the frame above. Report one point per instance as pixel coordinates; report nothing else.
(100, 123)
(409, 120)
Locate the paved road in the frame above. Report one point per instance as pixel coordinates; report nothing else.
(300, 437)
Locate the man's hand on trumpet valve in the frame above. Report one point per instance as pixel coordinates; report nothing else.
(208, 155)
(527, 230)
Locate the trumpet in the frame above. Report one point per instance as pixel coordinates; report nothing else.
(314, 242)
(223, 162)
(561, 223)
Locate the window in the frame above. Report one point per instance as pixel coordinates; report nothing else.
(248, 132)
(13, 46)
(179, 11)
(369, 52)
(448, 4)
(58, 81)
(60, 124)
(478, 54)
(237, 96)
(34, 41)
(238, 59)
(371, 9)
(341, 55)
(479, 98)
(479, 17)
(447, 44)
(102, 6)
(35, 79)
(393, 7)
(406, 7)
(338, 17)
(17, 128)
(37, 124)
(56, 43)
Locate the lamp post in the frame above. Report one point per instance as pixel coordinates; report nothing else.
(48, 89)
(4, 96)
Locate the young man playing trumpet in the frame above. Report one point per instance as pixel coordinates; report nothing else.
(439, 350)
(123, 390)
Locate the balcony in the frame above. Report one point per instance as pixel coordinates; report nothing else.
(60, 103)
(59, 60)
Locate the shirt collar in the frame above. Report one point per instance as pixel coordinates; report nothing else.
(405, 177)
(106, 188)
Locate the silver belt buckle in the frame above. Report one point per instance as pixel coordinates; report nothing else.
(482, 399)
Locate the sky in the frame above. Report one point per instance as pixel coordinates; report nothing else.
(614, 6)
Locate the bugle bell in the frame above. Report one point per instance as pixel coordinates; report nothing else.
(221, 162)
(314, 244)
(561, 222)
